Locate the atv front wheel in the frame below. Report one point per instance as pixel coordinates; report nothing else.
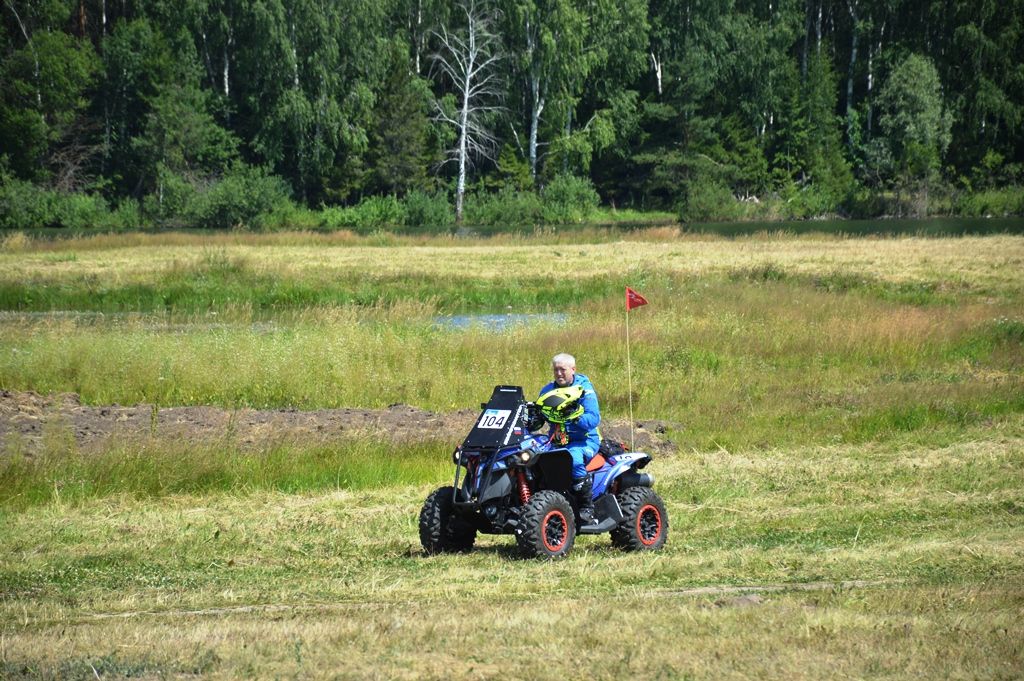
(644, 525)
(442, 530)
(547, 526)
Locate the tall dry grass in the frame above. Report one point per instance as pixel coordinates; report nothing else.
(734, 363)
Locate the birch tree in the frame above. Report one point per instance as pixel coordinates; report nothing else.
(468, 59)
(547, 37)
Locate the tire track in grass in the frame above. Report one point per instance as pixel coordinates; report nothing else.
(727, 590)
(711, 590)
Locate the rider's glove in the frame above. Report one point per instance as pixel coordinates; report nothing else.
(576, 413)
(534, 417)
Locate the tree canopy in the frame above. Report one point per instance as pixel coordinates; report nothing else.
(658, 104)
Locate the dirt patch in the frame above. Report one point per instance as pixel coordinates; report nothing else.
(28, 421)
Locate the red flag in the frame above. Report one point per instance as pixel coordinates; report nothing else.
(633, 299)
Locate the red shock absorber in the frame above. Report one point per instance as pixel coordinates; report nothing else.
(524, 489)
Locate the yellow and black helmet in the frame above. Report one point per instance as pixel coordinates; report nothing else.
(561, 404)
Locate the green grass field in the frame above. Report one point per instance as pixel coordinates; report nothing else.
(846, 495)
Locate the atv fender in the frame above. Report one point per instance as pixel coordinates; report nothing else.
(555, 470)
(498, 487)
(623, 468)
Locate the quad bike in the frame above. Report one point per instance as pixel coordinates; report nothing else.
(509, 480)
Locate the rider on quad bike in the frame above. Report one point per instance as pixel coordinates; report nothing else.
(510, 479)
(569, 403)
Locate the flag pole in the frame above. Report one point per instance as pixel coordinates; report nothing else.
(629, 374)
(633, 299)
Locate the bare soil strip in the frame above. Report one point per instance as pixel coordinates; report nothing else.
(26, 418)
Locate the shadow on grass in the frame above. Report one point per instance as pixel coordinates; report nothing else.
(510, 551)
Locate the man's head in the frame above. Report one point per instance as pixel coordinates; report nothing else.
(563, 366)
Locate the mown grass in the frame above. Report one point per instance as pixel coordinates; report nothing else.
(220, 283)
(198, 273)
(332, 583)
(847, 411)
(904, 633)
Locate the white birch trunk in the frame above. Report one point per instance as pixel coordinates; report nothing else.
(817, 29)
(656, 67)
(227, 62)
(467, 88)
(535, 111)
(460, 187)
(536, 98)
(871, 74)
(467, 64)
(418, 39)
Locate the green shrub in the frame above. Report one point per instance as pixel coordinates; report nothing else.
(170, 203)
(337, 217)
(430, 213)
(996, 202)
(126, 215)
(809, 201)
(369, 215)
(382, 211)
(507, 208)
(24, 205)
(241, 198)
(707, 201)
(865, 203)
(288, 216)
(569, 199)
(82, 211)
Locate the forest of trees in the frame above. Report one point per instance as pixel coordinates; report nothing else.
(215, 113)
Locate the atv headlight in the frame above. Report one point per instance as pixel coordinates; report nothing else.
(457, 456)
(525, 456)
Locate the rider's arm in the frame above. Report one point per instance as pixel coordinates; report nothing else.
(591, 412)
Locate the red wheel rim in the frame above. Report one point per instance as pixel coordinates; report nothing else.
(648, 525)
(554, 531)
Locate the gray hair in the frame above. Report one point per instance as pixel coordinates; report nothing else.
(564, 358)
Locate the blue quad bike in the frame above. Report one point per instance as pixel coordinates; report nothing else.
(509, 480)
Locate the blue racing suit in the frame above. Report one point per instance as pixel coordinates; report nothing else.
(584, 437)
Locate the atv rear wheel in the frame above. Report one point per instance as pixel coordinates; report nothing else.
(547, 526)
(441, 529)
(644, 525)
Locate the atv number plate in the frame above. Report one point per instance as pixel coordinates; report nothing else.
(494, 418)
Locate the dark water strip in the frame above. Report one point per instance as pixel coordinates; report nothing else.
(928, 227)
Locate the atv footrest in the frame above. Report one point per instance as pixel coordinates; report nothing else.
(608, 513)
(604, 526)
